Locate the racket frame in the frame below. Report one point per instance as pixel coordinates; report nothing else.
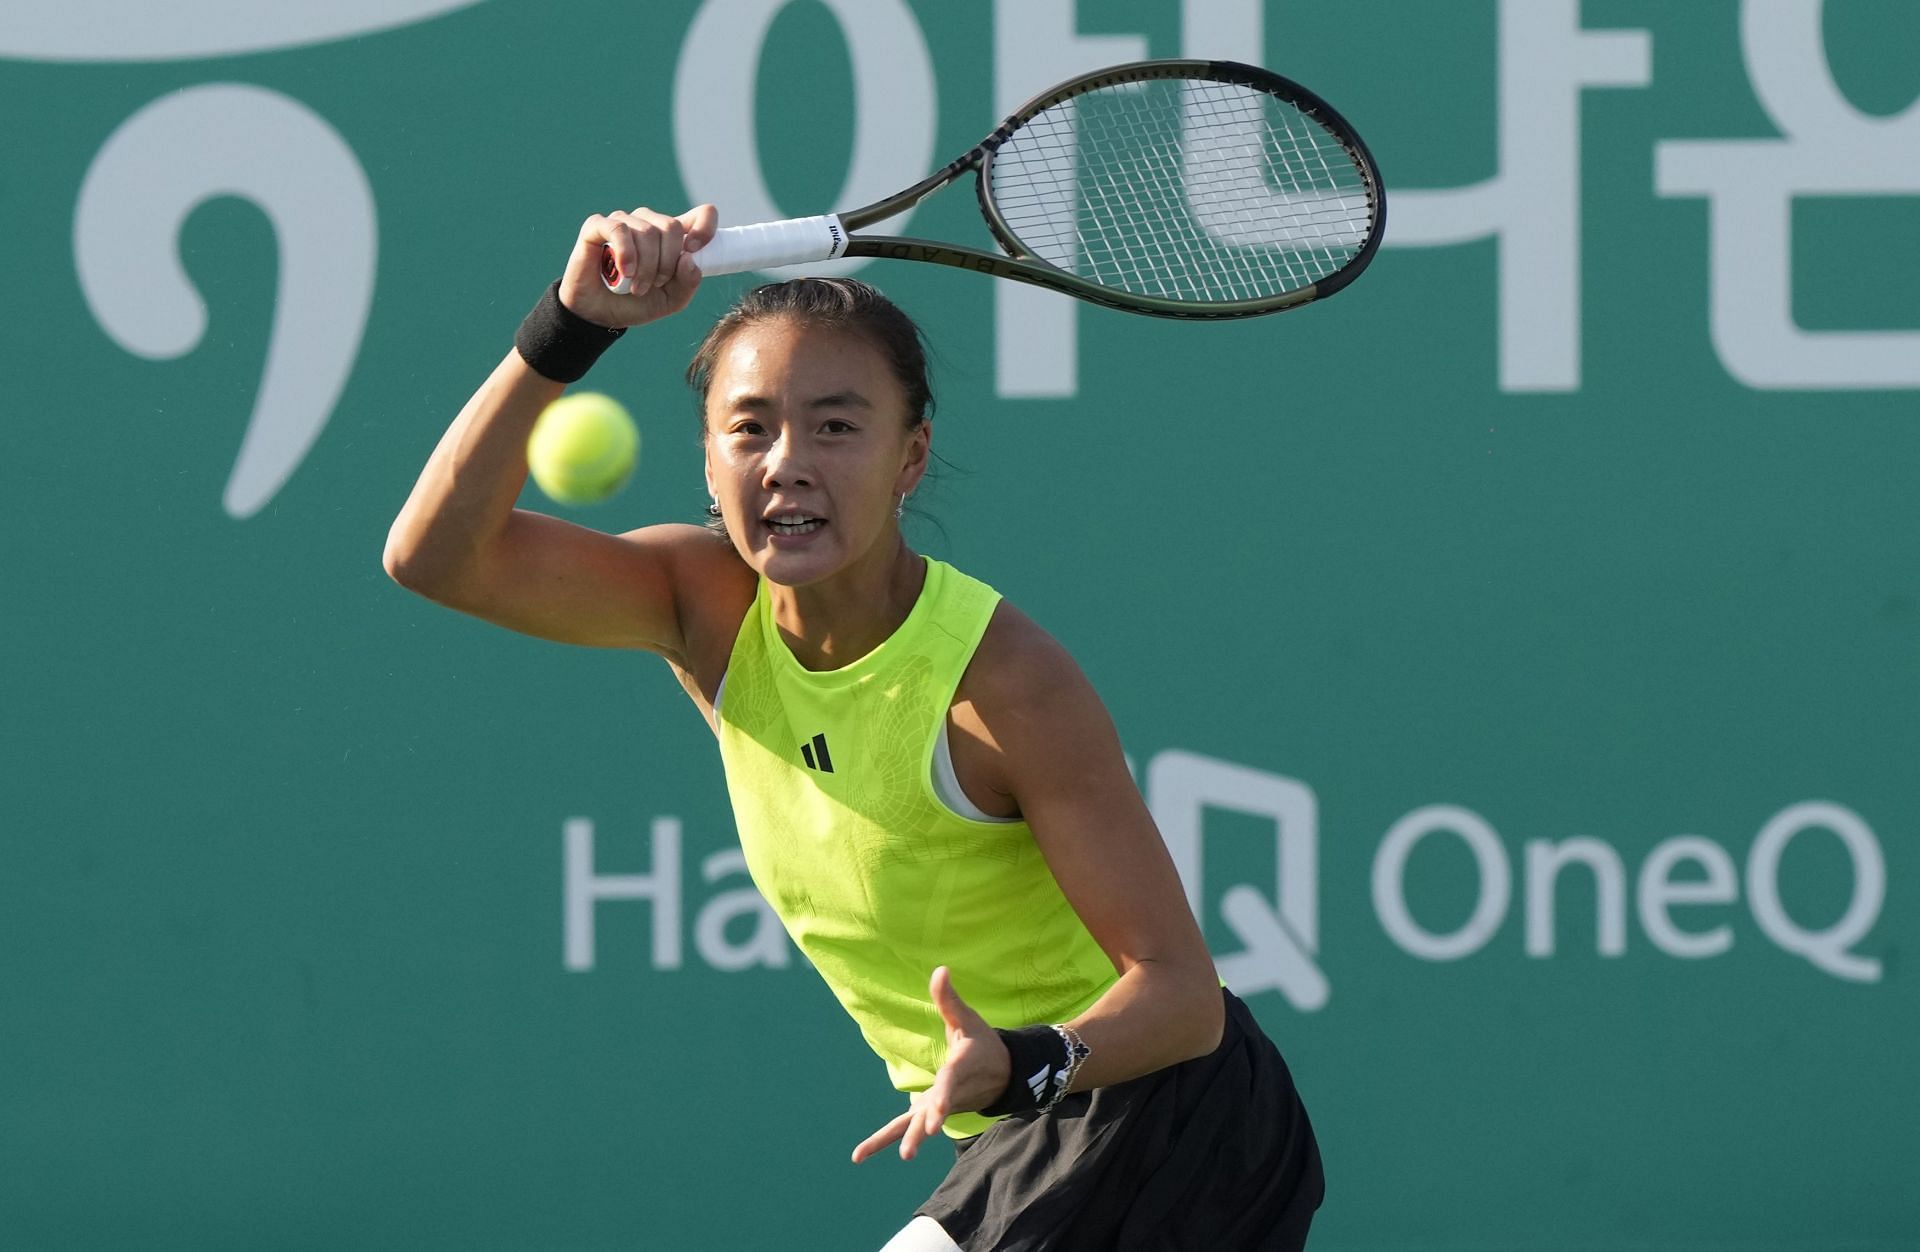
(1022, 266)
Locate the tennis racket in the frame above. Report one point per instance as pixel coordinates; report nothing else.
(1194, 189)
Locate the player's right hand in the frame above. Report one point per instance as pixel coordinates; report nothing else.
(655, 251)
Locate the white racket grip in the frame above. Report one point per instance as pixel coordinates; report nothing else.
(770, 245)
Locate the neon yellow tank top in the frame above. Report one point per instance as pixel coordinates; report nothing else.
(876, 879)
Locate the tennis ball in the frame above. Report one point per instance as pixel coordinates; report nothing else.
(582, 448)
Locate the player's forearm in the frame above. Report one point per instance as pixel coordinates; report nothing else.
(1157, 1014)
(465, 495)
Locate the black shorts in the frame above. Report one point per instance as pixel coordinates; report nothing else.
(1215, 1153)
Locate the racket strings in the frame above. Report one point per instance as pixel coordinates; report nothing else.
(1190, 190)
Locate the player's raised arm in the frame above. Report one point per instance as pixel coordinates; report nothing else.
(460, 541)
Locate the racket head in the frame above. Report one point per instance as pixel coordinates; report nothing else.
(1184, 188)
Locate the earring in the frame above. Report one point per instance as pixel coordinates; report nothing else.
(901, 507)
(713, 510)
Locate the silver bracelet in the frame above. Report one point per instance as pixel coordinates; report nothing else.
(1077, 1052)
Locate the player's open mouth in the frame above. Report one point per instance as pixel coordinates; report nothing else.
(794, 524)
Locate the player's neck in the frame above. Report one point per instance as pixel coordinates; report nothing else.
(838, 620)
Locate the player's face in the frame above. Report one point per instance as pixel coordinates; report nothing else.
(808, 449)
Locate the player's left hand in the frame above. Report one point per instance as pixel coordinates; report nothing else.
(973, 1075)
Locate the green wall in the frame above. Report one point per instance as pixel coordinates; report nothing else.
(1519, 650)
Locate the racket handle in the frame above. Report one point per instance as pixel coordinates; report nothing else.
(762, 246)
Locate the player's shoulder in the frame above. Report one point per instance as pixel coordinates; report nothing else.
(1019, 668)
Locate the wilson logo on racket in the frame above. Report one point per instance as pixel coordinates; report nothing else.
(1193, 189)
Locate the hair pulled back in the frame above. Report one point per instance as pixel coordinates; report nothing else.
(845, 304)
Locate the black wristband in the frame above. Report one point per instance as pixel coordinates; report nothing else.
(560, 344)
(1041, 1065)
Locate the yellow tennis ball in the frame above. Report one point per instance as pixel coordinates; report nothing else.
(582, 448)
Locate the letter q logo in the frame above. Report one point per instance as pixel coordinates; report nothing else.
(1280, 934)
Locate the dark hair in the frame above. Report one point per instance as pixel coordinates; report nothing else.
(833, 304)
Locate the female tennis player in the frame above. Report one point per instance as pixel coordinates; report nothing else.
(927, 789)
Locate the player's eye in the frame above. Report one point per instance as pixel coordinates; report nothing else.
(836, 426)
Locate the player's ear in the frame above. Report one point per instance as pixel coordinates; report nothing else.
(919, 452)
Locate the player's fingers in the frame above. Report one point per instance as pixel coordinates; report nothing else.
(955, 1012)
(629, 249)
(929, 1113)
(601, 247)
(640, 255)
(933, 1113)
(940, 986)
(701, 221)
(882, 1137)
(915, 1134)
(678, 291)
(670, 234)
(673, 235)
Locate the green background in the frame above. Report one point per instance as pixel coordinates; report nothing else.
(281, 846)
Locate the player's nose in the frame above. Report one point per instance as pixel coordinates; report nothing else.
(787, 463)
